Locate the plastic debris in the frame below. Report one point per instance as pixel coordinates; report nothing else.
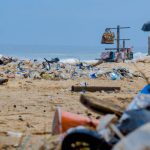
(141, 100)
(93, 76)
(114, 76)
(110, 130)
(55, 70)
(138, 140)
(14, 134)
(134, 119)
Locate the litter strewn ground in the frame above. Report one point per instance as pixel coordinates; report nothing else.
(27, 106)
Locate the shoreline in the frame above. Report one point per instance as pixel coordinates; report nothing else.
(75, 57)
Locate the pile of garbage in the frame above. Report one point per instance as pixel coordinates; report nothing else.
(55, 70)
(129, 131)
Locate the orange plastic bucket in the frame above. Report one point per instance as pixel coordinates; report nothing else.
(63, 120)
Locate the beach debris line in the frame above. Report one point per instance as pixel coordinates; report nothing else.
(56, 70)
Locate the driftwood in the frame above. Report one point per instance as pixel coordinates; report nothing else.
(101, 106)
(94, 88)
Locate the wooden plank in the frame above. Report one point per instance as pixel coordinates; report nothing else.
(100, 106)
(94, 88)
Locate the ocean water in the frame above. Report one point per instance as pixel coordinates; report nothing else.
(41, 52)
(64, 53)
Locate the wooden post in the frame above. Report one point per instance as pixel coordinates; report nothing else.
(124, 44)
(118, 38)
(94, 88)
(149, 45)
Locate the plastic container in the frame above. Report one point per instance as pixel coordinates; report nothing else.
(114, 76)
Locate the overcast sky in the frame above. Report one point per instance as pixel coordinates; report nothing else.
(71, 22)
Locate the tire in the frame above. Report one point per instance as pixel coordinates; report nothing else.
(89, 139)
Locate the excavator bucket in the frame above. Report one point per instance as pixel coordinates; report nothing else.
(108, 37)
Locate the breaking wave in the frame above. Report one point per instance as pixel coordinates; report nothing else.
(139, 55)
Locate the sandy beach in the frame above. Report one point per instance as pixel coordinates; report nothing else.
(28, 105)
(74, 75)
